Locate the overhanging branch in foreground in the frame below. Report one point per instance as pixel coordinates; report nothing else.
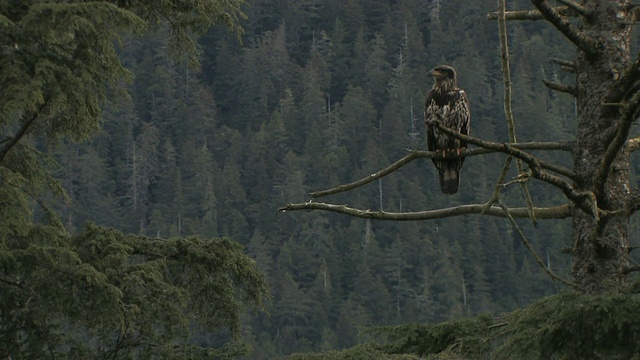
(556, 212)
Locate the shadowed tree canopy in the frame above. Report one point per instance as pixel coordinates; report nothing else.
(99, 293)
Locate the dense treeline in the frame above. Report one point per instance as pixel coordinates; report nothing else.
(320, 93)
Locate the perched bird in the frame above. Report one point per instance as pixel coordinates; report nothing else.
(447, 104)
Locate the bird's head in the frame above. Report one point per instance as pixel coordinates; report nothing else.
(444, 77)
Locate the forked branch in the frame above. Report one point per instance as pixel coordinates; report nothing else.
(584, 200)
(417, 154)
(495, 196)
(569, 30)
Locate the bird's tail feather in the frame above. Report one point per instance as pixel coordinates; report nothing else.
(449, 179)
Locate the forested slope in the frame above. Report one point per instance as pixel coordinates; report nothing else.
(317, 94)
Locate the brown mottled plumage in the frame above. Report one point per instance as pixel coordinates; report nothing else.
(449, 105)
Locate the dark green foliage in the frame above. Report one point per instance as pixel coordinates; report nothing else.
(99, 293)
(462, 337)
(52, 48)
(102, 293)
(365, 351)
(186, 17)
(570, 326)
(566, 326)
(318, 93)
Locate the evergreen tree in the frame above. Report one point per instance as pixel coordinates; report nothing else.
(100, 293)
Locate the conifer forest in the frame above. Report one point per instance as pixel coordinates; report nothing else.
(148, 149)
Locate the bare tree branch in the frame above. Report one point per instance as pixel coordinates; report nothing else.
(575, 6)
(510, 149)
(495, 197)
(584, 200)
(566, 65)
(556, 212)
(569, 30)
(417, 154)
(560, 87)
(506, 77)
(531, 14)
(527, 244)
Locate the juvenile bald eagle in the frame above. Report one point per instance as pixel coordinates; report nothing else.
(449, 105)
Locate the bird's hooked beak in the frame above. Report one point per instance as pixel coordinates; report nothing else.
(434, 73)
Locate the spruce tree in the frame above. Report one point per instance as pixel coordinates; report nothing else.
(99, 293)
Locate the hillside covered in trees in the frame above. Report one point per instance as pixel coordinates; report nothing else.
(320, 93)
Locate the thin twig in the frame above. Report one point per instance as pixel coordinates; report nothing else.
(377, 175)
(499, 183)
(527, 244)
(506, 77)
(520, 179)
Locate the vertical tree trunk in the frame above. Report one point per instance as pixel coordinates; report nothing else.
(600, 247)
